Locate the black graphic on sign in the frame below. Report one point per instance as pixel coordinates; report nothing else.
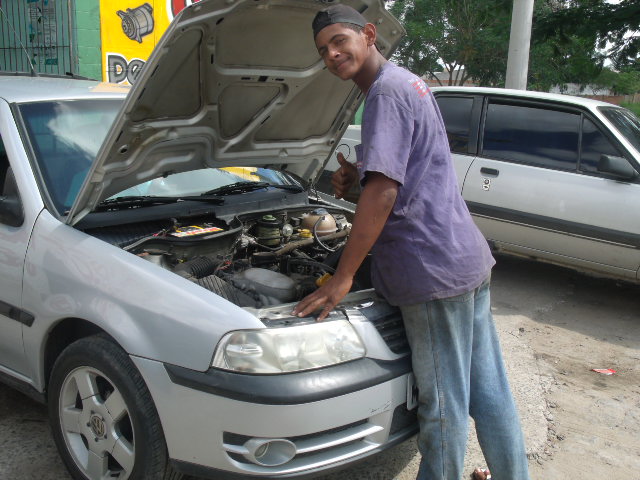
(119, 70)
(137, 22)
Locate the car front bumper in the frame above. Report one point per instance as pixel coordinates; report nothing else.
(327, 418)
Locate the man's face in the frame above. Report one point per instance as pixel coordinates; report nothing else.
(343, 50)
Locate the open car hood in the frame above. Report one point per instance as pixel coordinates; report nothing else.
(232, 83)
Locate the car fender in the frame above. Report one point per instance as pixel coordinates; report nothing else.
(69, 274)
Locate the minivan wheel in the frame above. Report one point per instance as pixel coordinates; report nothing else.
(103, 419)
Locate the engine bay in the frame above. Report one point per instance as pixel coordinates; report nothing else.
(254, 260)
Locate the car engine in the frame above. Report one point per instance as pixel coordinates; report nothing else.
(255, 261)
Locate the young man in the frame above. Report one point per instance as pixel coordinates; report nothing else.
(429, 258)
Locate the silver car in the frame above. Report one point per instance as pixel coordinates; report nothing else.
(154, 241)
(549, 177)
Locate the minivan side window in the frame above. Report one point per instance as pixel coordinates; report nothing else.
(456, 113)
(594, 144)
(531, 135)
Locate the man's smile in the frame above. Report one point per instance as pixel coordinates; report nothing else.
(341, 64)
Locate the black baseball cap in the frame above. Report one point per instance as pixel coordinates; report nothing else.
(338, 13)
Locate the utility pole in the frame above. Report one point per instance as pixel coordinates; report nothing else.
(518, 60)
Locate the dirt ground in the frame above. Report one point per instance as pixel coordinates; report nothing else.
(576, 325)
(555, 326)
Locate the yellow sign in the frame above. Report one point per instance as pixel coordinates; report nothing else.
(130, 30)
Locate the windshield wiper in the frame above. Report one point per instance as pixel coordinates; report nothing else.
(242, 187)
(292, 188)
(136, 201)
(238, 187)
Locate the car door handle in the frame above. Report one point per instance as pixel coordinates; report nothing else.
(491, 172)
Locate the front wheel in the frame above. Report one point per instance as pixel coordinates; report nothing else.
(103, 419)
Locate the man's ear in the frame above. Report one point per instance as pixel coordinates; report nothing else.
(369, 31)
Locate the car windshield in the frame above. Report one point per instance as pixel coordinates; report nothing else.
(66, 135)
(626, 122)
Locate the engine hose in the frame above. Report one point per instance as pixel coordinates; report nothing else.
(137, 243)
(317, 238)
(310, 241)
(198, 267)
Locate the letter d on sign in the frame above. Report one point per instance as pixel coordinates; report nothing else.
(116, 68)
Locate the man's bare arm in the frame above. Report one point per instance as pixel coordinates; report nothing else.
(375, 205)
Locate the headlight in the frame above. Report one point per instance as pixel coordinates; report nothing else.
(288, 349)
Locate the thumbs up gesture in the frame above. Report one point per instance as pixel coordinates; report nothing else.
(343, 178)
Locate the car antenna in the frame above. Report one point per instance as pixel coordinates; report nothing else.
(15, 34)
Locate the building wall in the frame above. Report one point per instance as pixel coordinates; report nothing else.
(107, 40)
(580, 90)
(37, 36)
(87, 29)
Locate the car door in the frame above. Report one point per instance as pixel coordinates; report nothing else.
(461, 115)
(13, 245)
(529, 194)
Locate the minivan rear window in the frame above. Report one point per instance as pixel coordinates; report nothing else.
(531, 135)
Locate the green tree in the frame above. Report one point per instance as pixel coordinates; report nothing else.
(452, 35)
(470, 38)
(622, 83)
(556, 63)
(614, 26)
(628, 82)
(421, 48)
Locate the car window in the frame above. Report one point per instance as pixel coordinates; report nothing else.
(594, 144)
(65, 137)
(531, 135)
(626, 122)
(456, 113)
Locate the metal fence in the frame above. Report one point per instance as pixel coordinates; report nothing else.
(36, 35)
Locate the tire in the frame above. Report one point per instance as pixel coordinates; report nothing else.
(114, 432)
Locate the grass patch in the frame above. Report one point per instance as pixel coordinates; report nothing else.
(634, 107)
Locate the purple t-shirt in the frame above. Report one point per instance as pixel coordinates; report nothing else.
(429, 248)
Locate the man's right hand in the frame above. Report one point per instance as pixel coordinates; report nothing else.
(343, 178)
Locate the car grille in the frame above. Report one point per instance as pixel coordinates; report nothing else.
(391, 328)
(388, 322)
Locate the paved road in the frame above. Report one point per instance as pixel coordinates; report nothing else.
(534, 305)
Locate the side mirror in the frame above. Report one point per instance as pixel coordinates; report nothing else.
(11, 212)
(618, 167)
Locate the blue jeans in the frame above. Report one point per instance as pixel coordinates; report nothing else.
(459, 372)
